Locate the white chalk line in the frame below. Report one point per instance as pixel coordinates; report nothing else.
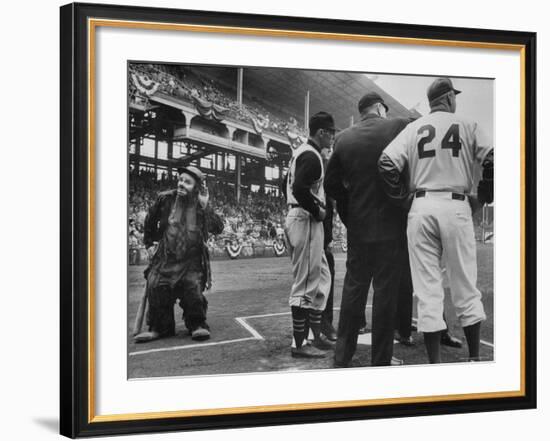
(249, 328)
(240, 320)
(255, 335)
(198, 345)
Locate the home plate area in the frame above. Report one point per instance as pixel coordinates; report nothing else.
(251, 325)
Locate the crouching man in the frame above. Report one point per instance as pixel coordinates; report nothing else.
(176, 231)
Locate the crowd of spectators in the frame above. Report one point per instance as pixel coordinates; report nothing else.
(186, 84)
(255, 218)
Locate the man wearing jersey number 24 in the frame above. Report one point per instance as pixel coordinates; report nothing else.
(438, 153)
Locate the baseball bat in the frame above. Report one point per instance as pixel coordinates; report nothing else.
(138, 323)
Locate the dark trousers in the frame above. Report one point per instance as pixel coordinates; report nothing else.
(160, 316)
(405, 301)
(327, 317)
(377, 262)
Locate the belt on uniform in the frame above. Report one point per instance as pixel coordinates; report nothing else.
(294, 205)
(455, 196)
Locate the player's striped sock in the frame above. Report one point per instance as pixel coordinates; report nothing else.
(299, 316)
(315, 322)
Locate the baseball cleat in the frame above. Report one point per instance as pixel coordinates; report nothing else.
(329, 332)
(200, 334)
(322, 343)
(396, 362)
(406, 341)
(448, 340)
(340, 365)
(146, 336)
(307, 352)
(363, 330)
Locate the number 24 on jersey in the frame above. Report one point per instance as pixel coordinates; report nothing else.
(451, 141)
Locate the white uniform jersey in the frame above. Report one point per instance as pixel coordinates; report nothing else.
(317, 189)
(441, 150)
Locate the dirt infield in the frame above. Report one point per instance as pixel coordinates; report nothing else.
(251, 324)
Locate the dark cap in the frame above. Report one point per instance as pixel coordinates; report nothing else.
(321, 120)
(369, 99)
(192, 171)
(440, 87)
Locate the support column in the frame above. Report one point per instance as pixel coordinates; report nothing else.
(156, 155)
(306, 110)
(263, 165)
(137, 153)
(280, 180)
(231, 131)
(238, 180)
(240, 76)
(170, 155)
(188, 117)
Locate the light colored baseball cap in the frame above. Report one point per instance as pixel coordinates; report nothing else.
(192, 171)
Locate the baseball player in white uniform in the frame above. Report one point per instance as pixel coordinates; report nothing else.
(303, 189)
(438, 153)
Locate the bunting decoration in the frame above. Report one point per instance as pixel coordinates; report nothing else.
(260, 123)
(145, 85)
(295, 139)
(344, 246)
(233, 249)
(279, 247)
(209, 110)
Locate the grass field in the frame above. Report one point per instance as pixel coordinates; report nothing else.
(250, 323)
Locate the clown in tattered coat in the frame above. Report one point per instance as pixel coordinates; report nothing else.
(176, 231)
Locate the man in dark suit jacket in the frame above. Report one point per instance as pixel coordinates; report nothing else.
(374, 227)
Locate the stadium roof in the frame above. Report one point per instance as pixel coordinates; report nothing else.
(285, 89)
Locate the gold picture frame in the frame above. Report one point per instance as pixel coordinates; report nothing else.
(79, 24)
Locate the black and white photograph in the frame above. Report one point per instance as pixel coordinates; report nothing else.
(284, 219)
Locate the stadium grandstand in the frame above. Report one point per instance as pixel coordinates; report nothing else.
(239, 126)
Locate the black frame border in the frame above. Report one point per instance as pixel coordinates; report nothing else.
(74, 219)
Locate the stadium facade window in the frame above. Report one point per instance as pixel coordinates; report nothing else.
(206, 162)
(162, 172)
(230, 162)
(148, 148)
(271, 190)
(272, 173)
(162, 152)
(179, 149)
(219, 162)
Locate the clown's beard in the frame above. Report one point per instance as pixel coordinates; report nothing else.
(187, 197)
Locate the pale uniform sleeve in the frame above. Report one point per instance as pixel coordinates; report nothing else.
(483, 163)
(398, 151)
(482, 143)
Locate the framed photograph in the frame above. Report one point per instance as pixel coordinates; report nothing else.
(275, 220)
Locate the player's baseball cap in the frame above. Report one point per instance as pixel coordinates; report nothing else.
(321, 120)
(369, 99)
(192, 171)
(440, 87)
